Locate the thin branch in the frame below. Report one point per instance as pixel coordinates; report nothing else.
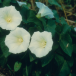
(64, 11)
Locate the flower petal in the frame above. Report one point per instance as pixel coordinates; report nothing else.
(49, 16)
(75, 29)
(39, 4)
(21, 3)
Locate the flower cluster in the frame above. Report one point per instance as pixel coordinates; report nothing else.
(18, 39)
(43, 10)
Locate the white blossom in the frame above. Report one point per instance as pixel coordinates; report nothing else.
(18, 40)
(41, 43)
(44, 11)
(21, 3)
(10, 18)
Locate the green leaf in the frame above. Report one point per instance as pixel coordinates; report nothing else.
(66, 27)
(0, 1)
(62, 19)
(17, 66)
(58, 29)
(71, 74)
(5, 49)
(66, 47)
(65, 70)
(54, 2)
(9, 67)
(68, 38)
(63, 29)
(28, 6)
(3, 60)
(39, 28)
(43, 21)
(13, 1)
(1, 40)
(55, 46)
(27, 70)
(32, 57)
(56, 16)
(50, 27)
(38, 73)
(24, 12)
(32, 18)
(6, 2)
(70, 62)
(47, 59)
(32, 30)
(59, 59)
(48, 74)
(74, 48)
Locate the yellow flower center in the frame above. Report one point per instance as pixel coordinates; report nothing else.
(20, 40)
(43, 43)
(8, 20)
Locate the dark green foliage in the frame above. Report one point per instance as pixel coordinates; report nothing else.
(3, 60)
(67, 1)
(65, 70)
(50, 26)
(66, 47)
(0, 1)
(59, 61)
(54, 2)
(6, 2)
(5, 49)
(46, 60)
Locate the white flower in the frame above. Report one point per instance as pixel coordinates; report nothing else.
(41, 43)
(75, 29)
(21, 3)
(44, 11)
(18, 40)
(10, 18)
